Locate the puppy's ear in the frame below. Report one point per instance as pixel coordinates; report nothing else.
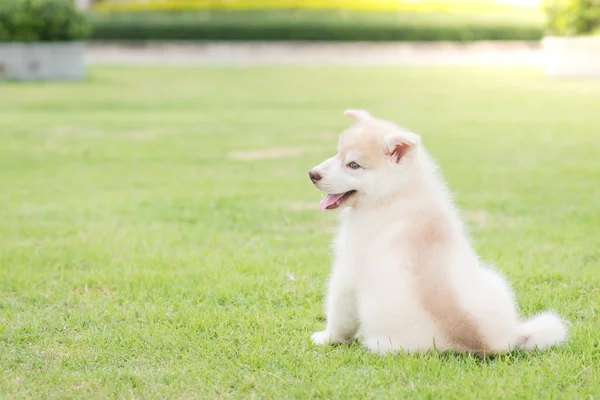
(399, 143)
(357, 115)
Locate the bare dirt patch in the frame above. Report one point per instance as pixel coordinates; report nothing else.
(266, 154)
(147, 134)
(481, 219)
(478, 219)
(304, 205)
(67, 131)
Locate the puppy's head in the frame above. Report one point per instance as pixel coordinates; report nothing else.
(373, 162)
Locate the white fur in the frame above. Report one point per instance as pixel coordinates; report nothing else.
(392, 281)
(542, 331)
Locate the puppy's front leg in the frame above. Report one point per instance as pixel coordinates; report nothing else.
(342, 322)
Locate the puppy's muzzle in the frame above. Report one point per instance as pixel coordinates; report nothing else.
(314, 176)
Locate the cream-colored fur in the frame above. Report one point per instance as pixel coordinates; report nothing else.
(405, 274)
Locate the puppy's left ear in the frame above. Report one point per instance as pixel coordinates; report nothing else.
(357, 115)
(399, 143)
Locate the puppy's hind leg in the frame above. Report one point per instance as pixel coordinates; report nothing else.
(342, 321)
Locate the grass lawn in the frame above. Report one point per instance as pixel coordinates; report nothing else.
(159, 236)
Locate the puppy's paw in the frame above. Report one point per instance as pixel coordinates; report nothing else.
(322, 338)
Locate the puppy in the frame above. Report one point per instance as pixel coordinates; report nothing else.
(404, 272)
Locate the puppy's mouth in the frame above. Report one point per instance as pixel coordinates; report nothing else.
(333, 201)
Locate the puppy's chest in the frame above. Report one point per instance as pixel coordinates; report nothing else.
(365, 247)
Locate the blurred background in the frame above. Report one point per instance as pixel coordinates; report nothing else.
(377, 20)
(527, 32)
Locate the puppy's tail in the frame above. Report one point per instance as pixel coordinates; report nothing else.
(542, 331)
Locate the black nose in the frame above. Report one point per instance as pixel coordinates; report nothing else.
(314, 175)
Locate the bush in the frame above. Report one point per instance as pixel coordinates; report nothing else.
(304, 25)
(572, 17)
(432, 6)
(41, 21)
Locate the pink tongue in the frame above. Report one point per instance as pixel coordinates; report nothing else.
(329, 200)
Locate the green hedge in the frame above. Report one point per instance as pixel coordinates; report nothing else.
(573, 17)
(41, 21)
(304, 25)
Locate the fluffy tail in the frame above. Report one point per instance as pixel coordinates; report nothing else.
(542, 331)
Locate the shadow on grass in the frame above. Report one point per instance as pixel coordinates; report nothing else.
(512, 357)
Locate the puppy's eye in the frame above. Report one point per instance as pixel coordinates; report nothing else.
(353, 165)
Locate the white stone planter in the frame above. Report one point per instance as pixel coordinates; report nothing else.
(572, 56)
(42, 61)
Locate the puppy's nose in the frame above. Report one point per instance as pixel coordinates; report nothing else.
(314, 175)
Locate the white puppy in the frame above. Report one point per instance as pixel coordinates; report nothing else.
(404, 270)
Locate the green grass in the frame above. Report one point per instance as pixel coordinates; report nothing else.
(520, 24)
(138, 260)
